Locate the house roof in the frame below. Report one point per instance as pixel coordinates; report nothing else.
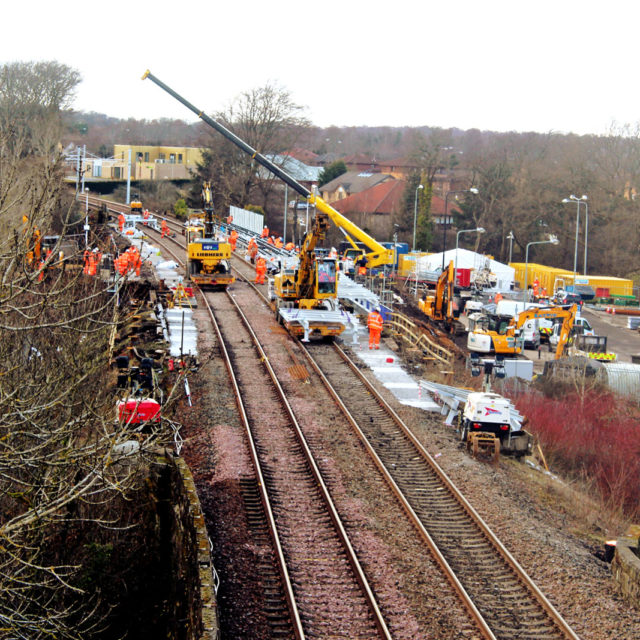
(381, 198)
(355, 181)
(303, 155)
(437, 206)
(296, 169)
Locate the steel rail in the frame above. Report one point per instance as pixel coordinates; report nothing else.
(282, 565)
(521, 574)
(333, 512)
(413, 517)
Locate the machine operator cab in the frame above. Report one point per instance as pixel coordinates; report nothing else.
(326, 278)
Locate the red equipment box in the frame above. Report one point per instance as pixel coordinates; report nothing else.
(139, 411)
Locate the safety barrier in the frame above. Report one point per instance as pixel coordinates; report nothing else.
(417, 338)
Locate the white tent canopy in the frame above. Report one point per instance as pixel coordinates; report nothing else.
(470, 260)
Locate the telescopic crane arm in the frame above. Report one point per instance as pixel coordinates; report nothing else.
(377, 255)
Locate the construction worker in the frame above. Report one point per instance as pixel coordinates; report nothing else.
(290, 246)
(233, 238)
(270, 240)
(164, 227)
(261, 270)
(498, 297)
(229, 219)
(86, 258)
(121, 221)
(265, 232)
(362, 266)
(374, 323)
(252, 250)
(278, 243)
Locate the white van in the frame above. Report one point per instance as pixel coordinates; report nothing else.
(581, 326)
(530, 330)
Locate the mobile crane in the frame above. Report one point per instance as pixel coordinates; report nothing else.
(306, 298)
(207, 258)
(501, 335)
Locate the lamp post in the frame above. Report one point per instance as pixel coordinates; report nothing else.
(444, 221)
(477, 230)
(415, 215)
(510, 238)
(552, 240)
(579, 201)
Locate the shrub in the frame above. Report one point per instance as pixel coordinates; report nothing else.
(594, 436)
(180, 209)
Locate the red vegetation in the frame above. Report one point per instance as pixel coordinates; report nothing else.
(594, 437)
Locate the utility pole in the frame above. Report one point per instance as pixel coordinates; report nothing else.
(286, 204)
(129, 178)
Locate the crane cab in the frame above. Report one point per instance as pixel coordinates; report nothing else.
(323, 285)
(135, 207)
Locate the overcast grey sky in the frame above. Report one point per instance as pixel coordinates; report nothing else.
(566, 66)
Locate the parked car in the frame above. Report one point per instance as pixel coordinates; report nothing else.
(568, 297)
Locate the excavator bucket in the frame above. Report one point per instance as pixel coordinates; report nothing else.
(484, 445)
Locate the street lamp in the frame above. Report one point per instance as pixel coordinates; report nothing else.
(510, 238)
(579, 201)
(415, 215)
(552, 240)
(477, 230)
(444, 221)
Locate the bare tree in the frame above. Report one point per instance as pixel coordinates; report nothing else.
(62, 466)
(268, 120)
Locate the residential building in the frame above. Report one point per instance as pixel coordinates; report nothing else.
(159, 162)
(374, 209)
(350, 183)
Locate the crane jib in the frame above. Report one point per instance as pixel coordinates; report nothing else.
(258, 157)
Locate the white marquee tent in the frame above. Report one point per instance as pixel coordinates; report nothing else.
(470, 260)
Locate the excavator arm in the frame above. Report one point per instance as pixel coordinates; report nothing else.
(377, 254)
(567, 316)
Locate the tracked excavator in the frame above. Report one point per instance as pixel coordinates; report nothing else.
(440, 305)
(305, 298)
(501, 335)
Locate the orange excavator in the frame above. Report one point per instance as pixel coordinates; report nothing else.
(440, 305)
(496, 334)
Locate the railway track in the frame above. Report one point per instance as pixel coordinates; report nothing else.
(327, 591)
(497, 593)
(496, 590)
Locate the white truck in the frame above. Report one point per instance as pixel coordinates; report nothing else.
(487, 422)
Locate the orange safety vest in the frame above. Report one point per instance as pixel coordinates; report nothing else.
(374, 321)
(265, 232)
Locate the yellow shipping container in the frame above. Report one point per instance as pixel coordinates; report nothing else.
(545, 275)
(551, 278)
(407, 262)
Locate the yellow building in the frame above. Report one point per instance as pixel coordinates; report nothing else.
(159, 163)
